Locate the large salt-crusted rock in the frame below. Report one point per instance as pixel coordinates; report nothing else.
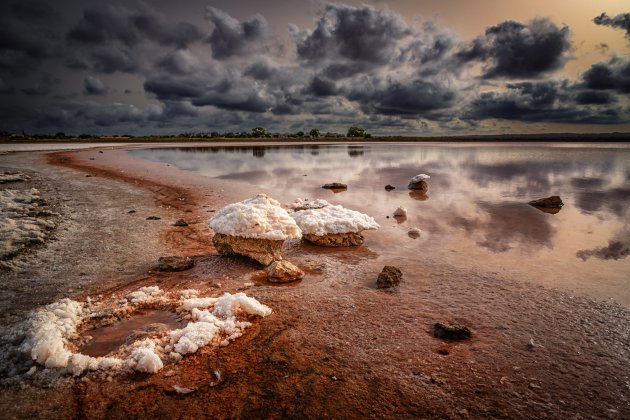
(333, 225)
(256, 227)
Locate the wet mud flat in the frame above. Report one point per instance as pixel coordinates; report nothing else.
(335, 346)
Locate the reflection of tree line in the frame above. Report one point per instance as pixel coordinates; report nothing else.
(257, 151)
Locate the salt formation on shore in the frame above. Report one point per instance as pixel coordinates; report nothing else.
(256, 227)
(13, 177)
(419, 182)
(333, 225)
(21, 223)
(51, 329)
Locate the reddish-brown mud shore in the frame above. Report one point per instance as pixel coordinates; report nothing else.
(334, 346)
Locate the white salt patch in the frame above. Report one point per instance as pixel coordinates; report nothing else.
(182, 390)
(190, 304)
(420, 177)
(18, 225)
(222, 320)
(144, 357)
(333, 219)
(188, 293)
(145, 294)
(13, 177)
(400, 212)
(260, 217)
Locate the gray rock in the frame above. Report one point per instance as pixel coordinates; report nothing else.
(335, 186)
(153, 218)
(419, 186)
(181, 223)
(389, 187)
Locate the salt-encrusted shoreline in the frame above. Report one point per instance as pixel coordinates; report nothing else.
(336, 346)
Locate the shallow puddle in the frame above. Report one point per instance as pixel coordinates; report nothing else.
(141, 324)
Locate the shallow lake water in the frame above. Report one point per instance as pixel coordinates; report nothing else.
(475, 215)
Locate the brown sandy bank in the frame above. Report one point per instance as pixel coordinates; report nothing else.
(334, 346)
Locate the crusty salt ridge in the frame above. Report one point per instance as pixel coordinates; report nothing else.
(259, 217)
(333, 219)
(13, 177)
(419, 177)
(50, 328)
(305, 204)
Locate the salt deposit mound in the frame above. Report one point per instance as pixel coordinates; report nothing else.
(256, 227)
(333, 225)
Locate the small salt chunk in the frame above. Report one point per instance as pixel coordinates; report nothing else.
(182, 390)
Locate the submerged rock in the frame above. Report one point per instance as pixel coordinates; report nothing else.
(335, 186)
(553, 202)
(451, 331)
(414, 233)
(175, 263)
(389, 187)
(390, 276)
(181, 223)
(335, 239)
(284, 272)
(265, 251)
(153, 218)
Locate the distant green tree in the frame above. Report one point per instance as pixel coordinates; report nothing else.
(258, 132)
(314, 132)
(356, 132)
(300, 134)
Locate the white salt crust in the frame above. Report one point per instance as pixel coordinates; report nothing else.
(50, 328)
(333, 219)
(260, 217)
(420, 177)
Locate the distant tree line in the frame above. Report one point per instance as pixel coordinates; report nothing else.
(256, 132)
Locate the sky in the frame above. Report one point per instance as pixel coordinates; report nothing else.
(401, 67)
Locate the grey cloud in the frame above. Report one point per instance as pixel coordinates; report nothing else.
(229, 36)
(618, 248)
(621, 21)
(94, 86)
(550, 101)
(512, 49)
(611, 75)
(354, 34)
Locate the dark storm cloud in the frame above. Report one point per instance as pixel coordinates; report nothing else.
(550, 101)
(594, 97)
(355, 34)
(621, 21)
(615, 200)
(611, 75)
(168, 87)
(512, 49)
(415, 97)
(229, 36)
(320, 86)
(42, 86)
(94, 86)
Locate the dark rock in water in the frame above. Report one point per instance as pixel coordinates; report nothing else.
(335, 186)
(187, 210)
(389, 277)
(131, 211)
(100, 151)
(175, 263)
(153, 218)
(180, 222)
(389, 187)
(451, 331)
(553, 202)
(283, 272)
(420, 186)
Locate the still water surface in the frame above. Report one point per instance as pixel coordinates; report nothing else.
(475, 215)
